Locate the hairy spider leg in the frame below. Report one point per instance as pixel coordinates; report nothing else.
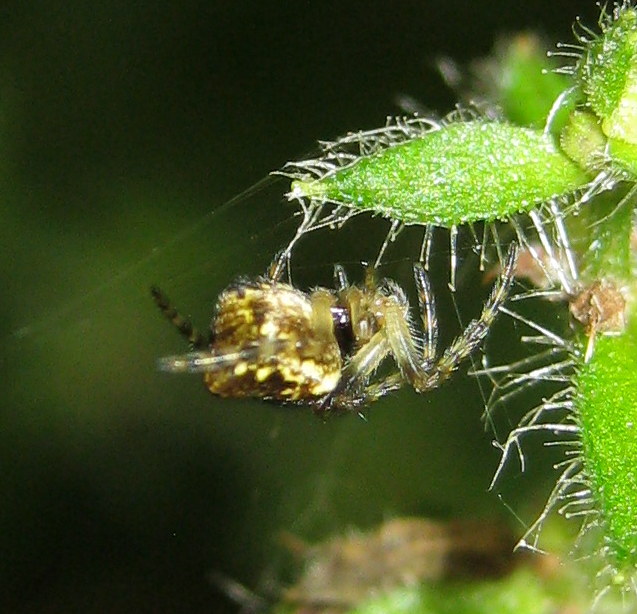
(427, 307)
(183, 325)
(203, 359)
(419, 367)
(477, 330)
(353, 389)
(361, 397)
(279, 264)
(362, 365)
(340, 278)
(414, 355)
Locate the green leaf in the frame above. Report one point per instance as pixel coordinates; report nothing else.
(460, 172)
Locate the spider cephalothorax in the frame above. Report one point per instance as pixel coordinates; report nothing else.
(323, 348)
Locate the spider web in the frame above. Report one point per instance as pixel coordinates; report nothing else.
(230, 477)
(124, 485)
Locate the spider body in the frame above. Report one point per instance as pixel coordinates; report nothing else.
(284, 351)
(323, 348)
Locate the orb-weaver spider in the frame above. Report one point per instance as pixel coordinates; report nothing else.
(323, 348)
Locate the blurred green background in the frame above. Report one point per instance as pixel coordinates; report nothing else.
(124, 126)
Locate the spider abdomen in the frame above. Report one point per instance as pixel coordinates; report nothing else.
(267, 331)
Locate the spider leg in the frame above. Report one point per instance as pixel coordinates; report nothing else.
(427, 306)
(340, 278)
(211, 360)
(183, 325)
(416, 365)
(351, 389)
(477, 330)
(200, 362)
(277, 267)
(375, 391)
(352, 400)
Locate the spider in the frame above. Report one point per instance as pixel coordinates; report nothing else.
(323, 348)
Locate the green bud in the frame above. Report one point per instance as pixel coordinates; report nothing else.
(458, 172)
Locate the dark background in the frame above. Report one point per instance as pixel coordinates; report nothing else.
(123, 128)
